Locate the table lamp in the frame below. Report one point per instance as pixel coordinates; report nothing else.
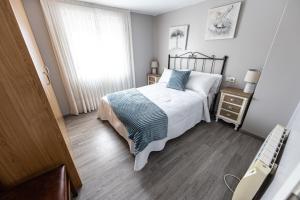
(154, 66)
(251, 78)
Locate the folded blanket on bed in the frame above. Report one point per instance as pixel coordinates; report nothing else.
(144, 120)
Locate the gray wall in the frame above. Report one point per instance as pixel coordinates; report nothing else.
(273, 101)
(258, 20)
(142, 34)
(277, 92)
(142, 48)
(36, 18)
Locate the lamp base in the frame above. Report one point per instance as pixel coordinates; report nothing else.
(153, 71)
(249, 88)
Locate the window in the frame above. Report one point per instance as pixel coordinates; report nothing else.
(93, 46)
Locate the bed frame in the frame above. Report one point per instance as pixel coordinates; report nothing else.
(200, 62)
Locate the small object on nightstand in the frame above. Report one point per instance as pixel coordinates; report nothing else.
(251, 79)
(233, 106)
(153, 78)
(154, 66)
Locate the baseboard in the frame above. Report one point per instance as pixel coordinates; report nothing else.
(251, 134)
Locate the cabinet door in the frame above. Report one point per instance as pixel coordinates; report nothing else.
(32, 132)
(41, 68)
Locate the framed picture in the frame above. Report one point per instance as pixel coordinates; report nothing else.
(178, 37)
(221, 21)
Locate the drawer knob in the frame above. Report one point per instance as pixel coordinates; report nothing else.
(231, 99)
(228, 114)
(230, 107)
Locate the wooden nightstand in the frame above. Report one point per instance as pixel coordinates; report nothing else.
(153, 78)
(233, 106)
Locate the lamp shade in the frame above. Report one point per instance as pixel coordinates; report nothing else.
(252, 76)
(154, 64)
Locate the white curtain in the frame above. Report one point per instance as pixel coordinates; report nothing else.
(93, 47)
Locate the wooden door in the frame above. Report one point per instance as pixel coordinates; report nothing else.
(32, 133)
(41, 68)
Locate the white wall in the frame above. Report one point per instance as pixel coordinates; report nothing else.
(258, 20)
(288, 172)
(277, 92)
(142, 48)
(142, 34)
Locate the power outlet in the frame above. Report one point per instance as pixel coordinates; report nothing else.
(230, 79)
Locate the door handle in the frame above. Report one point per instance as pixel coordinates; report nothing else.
(46, 72)
(48, 78)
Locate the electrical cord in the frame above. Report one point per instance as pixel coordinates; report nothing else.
(225, 181)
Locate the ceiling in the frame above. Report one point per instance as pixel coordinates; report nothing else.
(150, 7)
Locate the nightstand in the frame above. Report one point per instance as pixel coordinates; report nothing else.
(233, 106)
(153, 78)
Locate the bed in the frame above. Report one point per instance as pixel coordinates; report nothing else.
(184, 109)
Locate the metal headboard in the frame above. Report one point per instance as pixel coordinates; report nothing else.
(197, 61)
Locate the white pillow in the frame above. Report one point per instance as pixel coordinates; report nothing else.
(217, 83)
(165, 77)
(204, 82)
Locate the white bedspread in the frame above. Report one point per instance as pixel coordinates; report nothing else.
(184, 110)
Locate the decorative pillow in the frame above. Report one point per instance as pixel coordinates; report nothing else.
(204, 82)
(178, 79)
(165, 77)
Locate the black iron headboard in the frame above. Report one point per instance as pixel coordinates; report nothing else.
(197, 61)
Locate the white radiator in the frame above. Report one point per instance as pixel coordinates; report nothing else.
(262, 165)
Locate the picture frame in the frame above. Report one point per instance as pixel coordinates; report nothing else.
(222, 21)
(178, 36)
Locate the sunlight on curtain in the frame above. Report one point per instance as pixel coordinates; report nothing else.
(93, 47)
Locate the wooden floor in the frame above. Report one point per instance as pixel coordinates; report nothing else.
(190, 167)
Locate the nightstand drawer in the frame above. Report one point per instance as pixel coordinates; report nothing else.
(232, 99)
(151, 79)
(231, 107)
(228, 114)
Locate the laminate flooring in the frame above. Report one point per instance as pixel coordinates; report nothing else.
(190, 167)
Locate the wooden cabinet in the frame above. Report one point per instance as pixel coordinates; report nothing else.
(153, 78)
(233, 105)
(33, 136)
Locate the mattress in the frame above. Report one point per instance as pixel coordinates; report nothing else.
(184, 110)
